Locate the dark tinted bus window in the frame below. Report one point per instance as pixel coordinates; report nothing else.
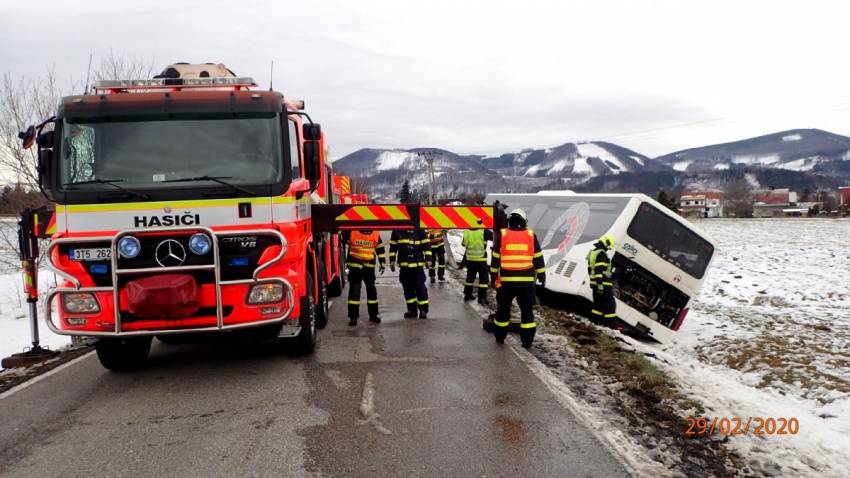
(670, 240)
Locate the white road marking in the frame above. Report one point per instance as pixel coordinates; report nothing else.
(367, 406)
(38, 378)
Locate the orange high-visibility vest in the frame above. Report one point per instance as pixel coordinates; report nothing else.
(362, 246)
(517, 250)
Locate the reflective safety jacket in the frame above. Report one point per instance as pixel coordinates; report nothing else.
(599, 268)
(475, 242)
(436, 238)
(362, 249)
(517, 258)
(410, 248)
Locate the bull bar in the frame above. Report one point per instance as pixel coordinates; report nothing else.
(215, 267)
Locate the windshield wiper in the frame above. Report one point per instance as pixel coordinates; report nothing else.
(110, 182)
(215, 179)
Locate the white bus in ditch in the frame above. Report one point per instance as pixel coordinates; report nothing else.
(659, 261)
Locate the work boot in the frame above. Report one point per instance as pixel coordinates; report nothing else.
(410, 314)
(526, 345)
(375, 319)
(352, 321)
(467, 298)
(433, 279)
(500, 340)
(423, 314)
(442, 279)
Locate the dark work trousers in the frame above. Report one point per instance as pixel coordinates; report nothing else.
(438, 261)
(480, 269)
(525, 300)
(604, 306)
(367, 276)
(415, 291)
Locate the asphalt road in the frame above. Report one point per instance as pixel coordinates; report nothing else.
(435, 397)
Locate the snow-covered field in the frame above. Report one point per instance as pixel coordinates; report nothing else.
(769, 335)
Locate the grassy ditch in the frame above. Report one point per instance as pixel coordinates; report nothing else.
(646, 397)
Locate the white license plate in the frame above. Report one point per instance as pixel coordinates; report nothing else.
(93, 254)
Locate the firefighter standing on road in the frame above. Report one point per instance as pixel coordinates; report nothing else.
(412, 250)
(363, 246)
(599, 271)
(438, 255)
(517, 260)
(475, 260)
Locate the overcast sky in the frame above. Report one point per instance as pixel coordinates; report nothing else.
(484, 77)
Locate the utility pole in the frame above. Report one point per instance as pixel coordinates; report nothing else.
(429, 157)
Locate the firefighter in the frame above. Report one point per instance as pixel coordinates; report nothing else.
(412, 250)
(517, 260)
(475, 261)
(438, 255)
(599, 271)
(363, 247)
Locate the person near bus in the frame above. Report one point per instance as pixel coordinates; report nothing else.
(438, 255)
(412, 250)
(517, 262)
(363, 247)
(599, 271)
(475, 261)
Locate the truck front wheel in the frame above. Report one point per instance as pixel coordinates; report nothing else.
(123, 353)
(305, 342)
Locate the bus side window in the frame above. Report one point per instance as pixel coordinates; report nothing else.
(293, 150)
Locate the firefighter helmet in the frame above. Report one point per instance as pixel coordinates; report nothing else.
(608, 241)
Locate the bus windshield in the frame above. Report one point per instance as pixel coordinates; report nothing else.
(671, 240)
(152, 153)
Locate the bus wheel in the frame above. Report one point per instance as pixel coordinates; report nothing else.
(123, 353)
(322, 309)
(305, 342)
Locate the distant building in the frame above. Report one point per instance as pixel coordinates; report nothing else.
(844, 195)
(701, 204)
(773, 202)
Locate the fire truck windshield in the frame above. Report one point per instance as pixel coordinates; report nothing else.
(163, 153)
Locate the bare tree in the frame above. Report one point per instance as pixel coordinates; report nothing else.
(112, 66)
(739, 201)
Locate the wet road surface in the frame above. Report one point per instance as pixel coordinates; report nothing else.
(435, 397)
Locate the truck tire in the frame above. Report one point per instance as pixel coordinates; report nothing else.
(119, 354)
(305, 342)
(322, 307)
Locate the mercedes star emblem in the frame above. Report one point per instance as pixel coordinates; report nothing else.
(170, 253)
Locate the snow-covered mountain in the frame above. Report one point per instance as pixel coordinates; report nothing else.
(571, 160)
(527, 170)
(796, 150)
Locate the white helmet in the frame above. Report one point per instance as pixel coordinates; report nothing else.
(519, 212)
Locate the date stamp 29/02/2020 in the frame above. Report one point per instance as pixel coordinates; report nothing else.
(698, 426)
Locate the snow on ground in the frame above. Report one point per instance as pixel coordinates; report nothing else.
(389, 160)
(721, 166)
(752, 180)
(14, 316)
(763, 160)
(802, 164)
(558, 166)
(591, 150)
(581, 166)
(638, 160)
(792, 137)
(768, 336)
(682, 165)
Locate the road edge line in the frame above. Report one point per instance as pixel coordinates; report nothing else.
(38, 378)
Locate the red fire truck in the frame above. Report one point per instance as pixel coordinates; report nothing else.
(183, 204)
(193, 202)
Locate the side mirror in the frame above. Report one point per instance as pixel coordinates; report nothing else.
(313, 163)
(27, 137)
(312, 132)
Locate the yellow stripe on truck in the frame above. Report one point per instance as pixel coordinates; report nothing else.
(139, 206)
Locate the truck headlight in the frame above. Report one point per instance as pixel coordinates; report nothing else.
(80, 303)
(200, 244)
(129, 247)
(266, 293)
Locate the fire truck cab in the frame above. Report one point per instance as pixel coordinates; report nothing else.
(183, 204)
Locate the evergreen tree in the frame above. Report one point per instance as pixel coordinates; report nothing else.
(404, 195)
(669, 201)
